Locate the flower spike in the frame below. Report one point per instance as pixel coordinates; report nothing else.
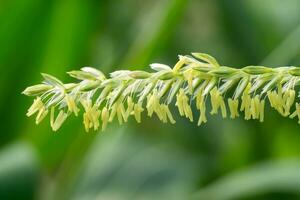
(192, 80)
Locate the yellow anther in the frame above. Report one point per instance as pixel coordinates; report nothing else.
(183, 105)
(233, 107)
(168, 113)
(202, 118)
(217, 102)
(41, 115)
(71, 105)
(91, 115)
(130, 106)
(104, 118)
(61, 117)
(36, 106)
(261, 110)
(138, 109)
(246, 102)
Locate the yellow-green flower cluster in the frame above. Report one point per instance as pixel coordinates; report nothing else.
(197, 80)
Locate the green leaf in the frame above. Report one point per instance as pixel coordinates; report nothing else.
(19, 170)
(261, 179)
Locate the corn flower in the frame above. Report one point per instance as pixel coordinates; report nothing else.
(193, 80)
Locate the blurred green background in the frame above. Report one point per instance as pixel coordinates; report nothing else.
(223, 159)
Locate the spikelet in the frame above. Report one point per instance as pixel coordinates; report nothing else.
(191, 81)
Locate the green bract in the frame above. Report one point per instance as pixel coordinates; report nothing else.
(199, 79)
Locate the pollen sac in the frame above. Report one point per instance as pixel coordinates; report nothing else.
(130, 107)
(255, 107)
(35, 107)
(183, 105)
(71, 104)
(276, 101)
(91, 115)
(202, 118)
(152, 104)
(217, 102)
(233, 108)
(60, 119)
(104, 118)
(288, 99)
(138, 109)
(41, 115)
(168, 114)
(119, 110)
(246, 102)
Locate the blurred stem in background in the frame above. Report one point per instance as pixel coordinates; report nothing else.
(17, 20)
(286, 51)
(154, 30)
(67, 42)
